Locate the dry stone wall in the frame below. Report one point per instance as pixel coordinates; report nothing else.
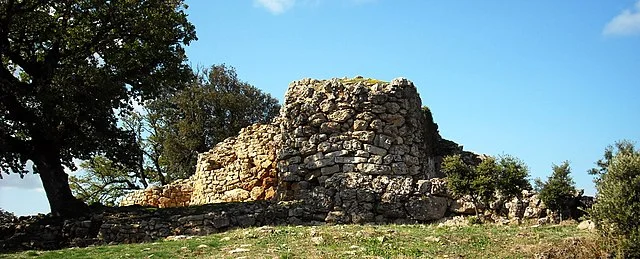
(358, 147)
(176, 194)
(239, 169)
(360, 150)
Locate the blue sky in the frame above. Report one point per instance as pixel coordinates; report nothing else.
(545, 81)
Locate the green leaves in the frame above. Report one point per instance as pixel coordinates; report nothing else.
(67, 66)
(79, 60)
(103, 182)
(617, 210)
(206, 112)
(558, 191)
(506, 176)
(512, 178)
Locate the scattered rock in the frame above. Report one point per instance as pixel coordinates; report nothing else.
(317, 240)
(178, 237)
(587, 225)
(239, 250)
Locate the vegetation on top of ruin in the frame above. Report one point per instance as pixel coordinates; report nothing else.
(357, 79)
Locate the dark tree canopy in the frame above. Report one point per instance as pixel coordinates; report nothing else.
(67, 66)
(217, 106)
(558, 191)
(171, 131)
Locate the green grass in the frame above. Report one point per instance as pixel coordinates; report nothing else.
(345, 241)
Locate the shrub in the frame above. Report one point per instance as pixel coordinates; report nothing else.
(559, 190)
(617, 208)
(512, 177)
(474, 220)
(506, 176)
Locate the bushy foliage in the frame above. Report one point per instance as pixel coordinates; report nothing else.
(104, 181)
(210, 110)
(170, 133)
(506, 176)
(68, 67)
(617, 208)
(512, 177)
(558, 191)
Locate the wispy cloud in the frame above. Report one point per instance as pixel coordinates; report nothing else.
(280, 6)
(275, 6)
(30, 181)
(625, 23)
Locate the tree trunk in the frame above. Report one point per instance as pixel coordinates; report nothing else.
(475, 206)
(56, 185)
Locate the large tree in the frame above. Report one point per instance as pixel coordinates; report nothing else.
(214, 107)
(558, 191)
(616, 211)
(68, 67)
(171, 131)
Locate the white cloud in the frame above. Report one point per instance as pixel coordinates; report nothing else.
(275, 6)
(30, 181)
(625, 23)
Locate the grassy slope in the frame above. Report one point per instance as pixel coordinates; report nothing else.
(346, 241)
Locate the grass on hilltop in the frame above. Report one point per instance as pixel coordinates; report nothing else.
(357, 241)
(368, 81)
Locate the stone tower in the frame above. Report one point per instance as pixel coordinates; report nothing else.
(357, 146)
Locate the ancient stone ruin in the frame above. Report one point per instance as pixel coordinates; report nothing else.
(361, 150)
(358, 148)
(342, 151)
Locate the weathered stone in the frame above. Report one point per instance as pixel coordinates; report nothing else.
(341, 115)
(320, 163)
(377, 125)
(237, 195)
(364, 136)
(427, 208)
(330, 127)
(317, 119)
(359, 125)
(362, 153)
(328, 106)
(399, 168)
(375, 159)
(392, 107)
(336, 153)
(348, 168)
(396, 120)
(374, 150)
(464, 206)
(373, 168)
(350, 160)
(330, 170)
(587, 225)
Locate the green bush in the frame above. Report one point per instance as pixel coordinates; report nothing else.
(474, 220)
(506, 176)
(617, 208)
(558, 192)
